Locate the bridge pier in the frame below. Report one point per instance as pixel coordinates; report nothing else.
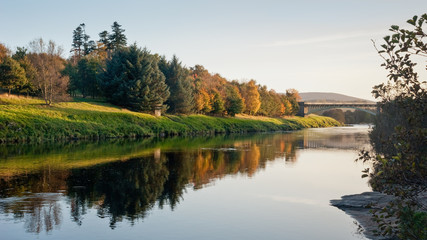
(303, 110)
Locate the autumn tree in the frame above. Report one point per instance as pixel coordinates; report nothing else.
(288, 111)
(202, 101)
(252, 98)
(4, 52)
(293, 98)
(48, 64)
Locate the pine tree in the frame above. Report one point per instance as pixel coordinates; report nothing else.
(180, 86)
(117, 39)
(133, 79)
(78, 40)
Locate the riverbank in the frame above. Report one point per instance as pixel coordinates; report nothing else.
(27, 119)
(359, 206)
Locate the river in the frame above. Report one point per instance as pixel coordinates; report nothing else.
(251, 186)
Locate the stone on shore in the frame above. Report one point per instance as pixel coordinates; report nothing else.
(359, 206)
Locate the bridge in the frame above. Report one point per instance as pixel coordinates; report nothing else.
(306, 108)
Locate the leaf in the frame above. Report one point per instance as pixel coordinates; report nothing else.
(395, 27)
(387, 38)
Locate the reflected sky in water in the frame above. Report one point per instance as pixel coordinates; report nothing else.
(272, 186)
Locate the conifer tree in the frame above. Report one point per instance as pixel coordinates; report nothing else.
(179, 82)
(117, 38)
(82, 46)
(133, 79)
(78, 40)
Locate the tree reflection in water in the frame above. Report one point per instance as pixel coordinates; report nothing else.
(129, 188)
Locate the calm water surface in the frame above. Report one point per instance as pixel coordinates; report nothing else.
(262, 186)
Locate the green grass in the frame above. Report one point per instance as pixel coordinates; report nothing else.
(26, 119)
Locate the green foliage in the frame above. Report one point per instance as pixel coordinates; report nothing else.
(271, 104)
(217, 104)
(88, 70)
(412, 224)
(399, 160)
(117, 38)
(234, 103)
(133, 79)
(78, 40)
(30, 72)
(336, 114)
(12, 75)
(358, 116)
(181, 98)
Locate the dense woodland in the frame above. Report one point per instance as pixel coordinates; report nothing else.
(132, 77)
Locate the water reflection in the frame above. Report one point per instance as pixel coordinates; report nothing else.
(124, 180)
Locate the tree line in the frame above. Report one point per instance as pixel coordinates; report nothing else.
(132, 77)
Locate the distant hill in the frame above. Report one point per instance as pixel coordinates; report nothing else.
(329, 97)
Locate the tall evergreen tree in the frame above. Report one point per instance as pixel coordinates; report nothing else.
(117, 38)
(179, 82)
(81, 45)
(133, 79)
(78, 40)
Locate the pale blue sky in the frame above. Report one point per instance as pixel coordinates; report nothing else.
(307, 45)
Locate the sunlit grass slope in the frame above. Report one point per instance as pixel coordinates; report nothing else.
(26, 119)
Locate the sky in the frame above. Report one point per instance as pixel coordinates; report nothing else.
(309, 45)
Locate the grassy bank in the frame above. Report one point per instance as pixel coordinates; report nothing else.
(26, 119)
